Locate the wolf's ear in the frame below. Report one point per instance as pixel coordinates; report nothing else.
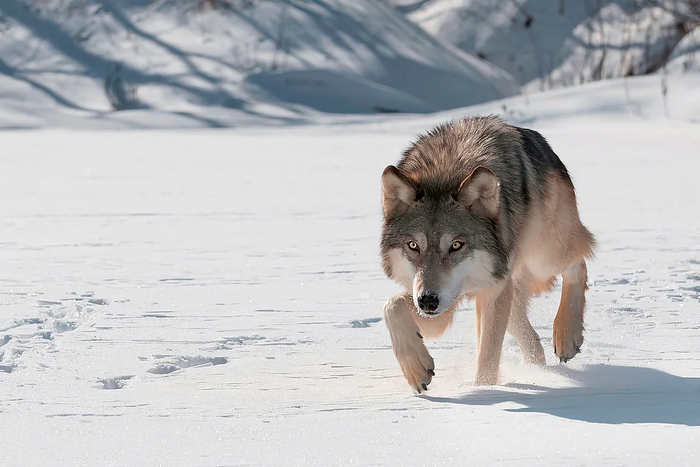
(398, 192)
(479, 192)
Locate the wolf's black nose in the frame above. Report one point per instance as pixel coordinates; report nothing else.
(428, 301)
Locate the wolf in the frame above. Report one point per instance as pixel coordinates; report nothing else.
(478, 208)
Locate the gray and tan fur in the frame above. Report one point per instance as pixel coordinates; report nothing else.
(481, 209)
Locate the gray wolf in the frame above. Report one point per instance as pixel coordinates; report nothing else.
(478, 208)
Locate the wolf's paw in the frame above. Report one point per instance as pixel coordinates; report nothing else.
(535, 355)
(486, 379)
(416, 363)
(567, 340)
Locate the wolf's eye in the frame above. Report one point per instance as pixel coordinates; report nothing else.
(456, 245)
(413, 246)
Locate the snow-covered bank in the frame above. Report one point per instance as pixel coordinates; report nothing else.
(62, 61)
(641, 98)
(547, 44)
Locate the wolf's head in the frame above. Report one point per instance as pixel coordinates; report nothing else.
(443, 245)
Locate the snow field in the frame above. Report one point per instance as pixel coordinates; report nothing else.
(213, 297)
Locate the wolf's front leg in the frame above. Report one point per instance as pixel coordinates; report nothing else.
(406, 329)
(568, 325)
(495, 310)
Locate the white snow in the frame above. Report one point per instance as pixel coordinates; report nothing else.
(336, 93)
(60, 59)
(212, 297)
(686, 56)
(547, 44)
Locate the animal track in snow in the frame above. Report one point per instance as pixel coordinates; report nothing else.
(117, 382)
(54, 317)
(10, 353)
(228, 342)
(66, 317)
(22, 322)
(360, 323)
(180, 363)
(98, 301)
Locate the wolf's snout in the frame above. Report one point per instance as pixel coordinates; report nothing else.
(428, 301)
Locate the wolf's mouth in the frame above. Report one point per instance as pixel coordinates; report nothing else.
(429, 314)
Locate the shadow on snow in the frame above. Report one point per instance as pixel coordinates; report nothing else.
(604, 394)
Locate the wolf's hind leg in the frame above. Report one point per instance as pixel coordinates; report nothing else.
(519, 326)
(568, 325)
(406, 330)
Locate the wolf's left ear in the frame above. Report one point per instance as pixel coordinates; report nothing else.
(479, 192)
(398, 192)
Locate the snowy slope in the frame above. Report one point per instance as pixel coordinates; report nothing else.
(63, 60)
(686, 56)
(213, 297)
(548, 44)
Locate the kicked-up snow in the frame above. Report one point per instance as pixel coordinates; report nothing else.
(214, 297)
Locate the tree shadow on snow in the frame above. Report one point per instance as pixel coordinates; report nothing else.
(99, 67)
(604, 394)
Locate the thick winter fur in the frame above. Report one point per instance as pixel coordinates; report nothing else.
(481, 209)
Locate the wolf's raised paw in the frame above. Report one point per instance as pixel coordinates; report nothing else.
(567, 342)
(416, 363)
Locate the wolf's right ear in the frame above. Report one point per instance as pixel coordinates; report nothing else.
(398, 192)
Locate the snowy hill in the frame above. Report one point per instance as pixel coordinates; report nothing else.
(547, 44)
(686, 56)
(208, 298)
(64, 60)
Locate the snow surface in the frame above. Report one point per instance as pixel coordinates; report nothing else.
(213, 297)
